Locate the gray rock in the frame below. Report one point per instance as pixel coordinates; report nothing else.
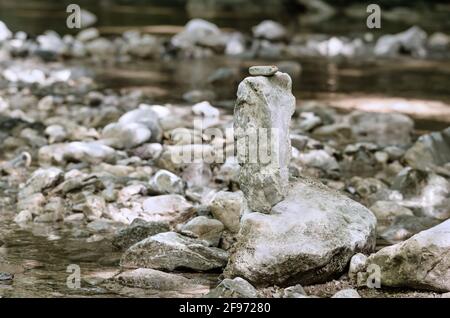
(100, 48)
(125, 136)
(233, 288)
(33, 202)
(205, 109)
(146, 116)
(171, 208)
(296, 291)
(94, 207)
(269, 30)
(386, 213)
(91, 151)
(88, 34)
(50, 41)
(5, 33)
(144, 46)
(330, 227)
(24, 216)
(199, 32)
(319, 159)
(205, 229)
(382, 129)
(42, 179)
(4, 277)
(412, 41)
(229, 171)
(427, 193)
(170, 251)
(165, 182)
(153, 279)
(263, 70)
(264, 106)
(346, 293)
(422, 261)
(55, 133)
(430, 151)
(138, 231)
(150, 151)
(405, 226)
(228, 207)
(439, 41)
(357, 264)
(100, 225)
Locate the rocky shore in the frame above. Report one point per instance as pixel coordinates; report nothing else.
(350, 193)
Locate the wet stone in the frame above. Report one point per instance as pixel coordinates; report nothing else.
(6, 277)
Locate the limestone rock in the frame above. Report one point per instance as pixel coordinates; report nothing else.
(153, 279)
(382, 129)
(137, 231)
(203, 228)
(172, 208)
(308, 238)
(90, 151)
(347, 293)
(146, 116)
(165, 182)
(228, 208)
(430, 150)
(269, 30)
(125, 136)
(170, 251)
(42, 179)
(423, 261)
(263, 109)
(233, 288)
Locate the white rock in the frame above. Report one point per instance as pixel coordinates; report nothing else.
(87, 35)
(347, 293)
(94, 207)
(357, 264)
(165, 182)
(170, 251)
(228, 207)
(24, 217)
(205, 109)
(5, 33)
(42, 179)
(269, 30)
(171, 208)
(422, 261)
(91, 151)
(308, 238)
(125, 135)
(264, 106)
(204, 228)
(146, 116)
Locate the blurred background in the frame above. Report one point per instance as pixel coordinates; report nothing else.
(327, 16)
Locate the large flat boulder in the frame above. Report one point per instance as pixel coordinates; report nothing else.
(170, 251)
(308, 238)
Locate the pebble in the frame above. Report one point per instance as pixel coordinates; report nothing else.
(5, 277)
(263, 70)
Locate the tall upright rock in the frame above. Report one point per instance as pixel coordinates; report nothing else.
(299, 231)
(262, 114)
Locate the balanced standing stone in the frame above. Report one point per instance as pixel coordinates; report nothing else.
(262, 114)
(263, 70)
